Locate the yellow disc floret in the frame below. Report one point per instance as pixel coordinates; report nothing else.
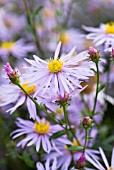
(75, 143)
(42, 127)
(29, 89)
(110, 28)
(7, 45)
(55, 66)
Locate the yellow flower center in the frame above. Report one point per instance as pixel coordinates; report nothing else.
(110, 168)
(42, 128)
(7, 45)
(64, 38)
(109, 28)
(29, 89)
(75, 143)
(55, 66)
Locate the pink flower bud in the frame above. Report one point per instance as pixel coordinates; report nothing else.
(94, 54)
(81, 161)
(87, 122)
(13, 76)
(113, 53)
(8, 69)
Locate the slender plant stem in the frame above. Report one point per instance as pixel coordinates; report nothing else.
(95, 101)
(66, 120)
(33, 29)
(108, 75)
(68, 125)
(86, 136)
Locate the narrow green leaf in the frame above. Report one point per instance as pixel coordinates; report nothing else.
(90, 137)
(37, 11)
(75, 148)
(58, 134)
(101, 87)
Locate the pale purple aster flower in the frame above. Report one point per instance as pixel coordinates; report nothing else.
(12, 94)
(60, 74)
(47, 165)
(37, 133)
(102, 34)
(18, 49)
(100, 166)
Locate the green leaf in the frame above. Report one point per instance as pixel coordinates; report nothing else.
(101, 87)
(75, 148)
(96, 113)
(58, 134)
(37, 11)
(90, 137)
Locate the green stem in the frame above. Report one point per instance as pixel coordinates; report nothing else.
(108, 75)
(33, 29)
(95, 101)
(66, 120)
(86, 135)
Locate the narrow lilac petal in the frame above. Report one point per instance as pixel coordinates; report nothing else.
(54, 164)
(38, 143)
(104, 157)
(64, 83)
(57, 51)
(68, 56)
(39, 166)
(47, 164)
(39, 59)
(46, 144)
(112, 160)
(19, 103)
(31, 108)
(33, 141)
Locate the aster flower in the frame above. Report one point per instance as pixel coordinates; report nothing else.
(37, 133)
(18, 49)
(102, 34)
(61, 74)
(12, 94)
(47, 165)
(97, 163)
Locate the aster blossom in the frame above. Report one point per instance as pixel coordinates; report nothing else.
(61, 74)
(18, 48)
(104, 33)
(37, 133)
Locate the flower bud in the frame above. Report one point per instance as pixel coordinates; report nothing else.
(87, 122)
(94, 54)
(13, 76)
(81, 161)
(113, 53)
